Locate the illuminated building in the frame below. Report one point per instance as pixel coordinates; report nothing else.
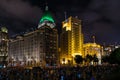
(71, 40)
(39, 47)
(3, 44)
(109, 48)
(93, 49)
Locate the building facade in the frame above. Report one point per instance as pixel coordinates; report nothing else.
(39, 47)
(3, 45)
(110, 48)
(71, 40)
(93, 49)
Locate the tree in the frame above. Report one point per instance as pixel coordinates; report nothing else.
(105, 59)
(78, 59)
(95, 59)
(89, 58)
(114, 57)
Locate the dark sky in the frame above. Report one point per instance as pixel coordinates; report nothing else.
(99, 17)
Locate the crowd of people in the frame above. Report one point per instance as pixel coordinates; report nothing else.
(61, 73)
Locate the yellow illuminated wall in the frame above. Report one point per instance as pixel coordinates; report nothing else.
(67, 24)
(93, 49)
(71, 40)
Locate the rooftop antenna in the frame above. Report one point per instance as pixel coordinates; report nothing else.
(65, 15)
(46, 8)
(93, 39)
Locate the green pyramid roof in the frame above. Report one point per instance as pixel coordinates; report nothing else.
(46, 16)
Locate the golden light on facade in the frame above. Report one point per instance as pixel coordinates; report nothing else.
(93, 49)
(91, 45)
(74, 54)
(64, 62)
(65, 59)
(71, 40)
(67, 24)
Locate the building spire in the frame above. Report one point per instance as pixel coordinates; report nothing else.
(93, 39)
(65, 13)
(46, 8)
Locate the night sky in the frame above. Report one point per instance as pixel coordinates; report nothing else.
(99, 17)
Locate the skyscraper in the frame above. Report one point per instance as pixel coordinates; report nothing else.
(71, 40)
(39, 47)
(49, 38)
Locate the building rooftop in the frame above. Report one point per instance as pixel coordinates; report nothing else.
(47, 16)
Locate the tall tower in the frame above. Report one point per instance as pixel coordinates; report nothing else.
(3, 45)
(71, 40)
(49, 38)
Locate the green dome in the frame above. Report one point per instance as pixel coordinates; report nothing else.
(47, 16)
